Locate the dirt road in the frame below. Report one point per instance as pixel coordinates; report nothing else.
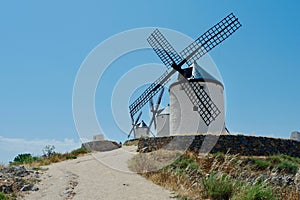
(87, 178)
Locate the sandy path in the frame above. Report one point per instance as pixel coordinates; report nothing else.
(87, 178)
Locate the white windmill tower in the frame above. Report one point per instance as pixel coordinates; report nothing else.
(185, 117)
(141, 130)
(199, 95)
(163, 122)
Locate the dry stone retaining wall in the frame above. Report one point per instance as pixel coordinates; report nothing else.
(103, 145)
(233, 144)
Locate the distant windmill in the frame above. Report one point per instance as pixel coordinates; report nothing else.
(154, 110)
(195, 91)
(134, 124)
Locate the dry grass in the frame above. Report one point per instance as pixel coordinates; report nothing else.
(187, 180)
(53, 158)
(131, 143)
(2, 166)
(153, 161)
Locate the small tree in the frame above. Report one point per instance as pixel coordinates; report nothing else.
(48, 151)
(23, 158)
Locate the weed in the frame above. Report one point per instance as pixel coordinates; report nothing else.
(79, 151)
(259, 191)
(259, 164)
(71, 157)
(3, 196)
(185, 163)
(218, 186)
(287, 166)
(25, 158)
(219, 155)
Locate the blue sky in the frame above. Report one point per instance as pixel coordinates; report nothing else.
(44, 43)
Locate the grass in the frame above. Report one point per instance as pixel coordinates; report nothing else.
(223, 176)
(218, 186)
(29, 160)
(131, 143)
(281, 163)
(259, 164)
(259, 191)
(184, 164)
(79, 151)
(153, 161)
(4, 196)
(2, 166)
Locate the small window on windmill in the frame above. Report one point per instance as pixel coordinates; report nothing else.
(195, 108)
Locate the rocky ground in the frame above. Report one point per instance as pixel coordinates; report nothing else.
(17, 180)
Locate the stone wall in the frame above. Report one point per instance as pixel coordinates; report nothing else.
(233, 144)
(104, 145)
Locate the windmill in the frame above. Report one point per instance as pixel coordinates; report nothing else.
(196, 93)
(134, 124)
(154, 110)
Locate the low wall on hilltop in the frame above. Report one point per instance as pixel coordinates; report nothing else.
(232, 144)
(103, 145)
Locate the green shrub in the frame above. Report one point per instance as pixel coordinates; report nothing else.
(287, 166)
(218, 186)
(285, 163)
(185, 163)
(71, 157)
(219, 155)
(25, 158)
(259, 191)
(260, 164)
(78, 151)
(3, 196)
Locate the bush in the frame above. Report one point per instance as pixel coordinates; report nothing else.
(56, 157)
(25, 158)
(287, 166)
(71, 157)
(218, 186)
(219, 155)
(259, 191)
(76, 152)
(3, 196)
(184, 163)
(260, 164)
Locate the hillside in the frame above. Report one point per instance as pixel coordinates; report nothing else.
(222, 176)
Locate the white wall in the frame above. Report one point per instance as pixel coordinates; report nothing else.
(141, 132)
(183, 120)
(99, 137)
(295, 136)
(162, 125)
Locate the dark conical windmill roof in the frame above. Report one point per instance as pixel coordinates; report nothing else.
(142, 124)
(195, 73)
(201, 74)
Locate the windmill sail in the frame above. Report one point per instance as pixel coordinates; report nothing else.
(210, 39)
(163, 49)
(198, 96)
